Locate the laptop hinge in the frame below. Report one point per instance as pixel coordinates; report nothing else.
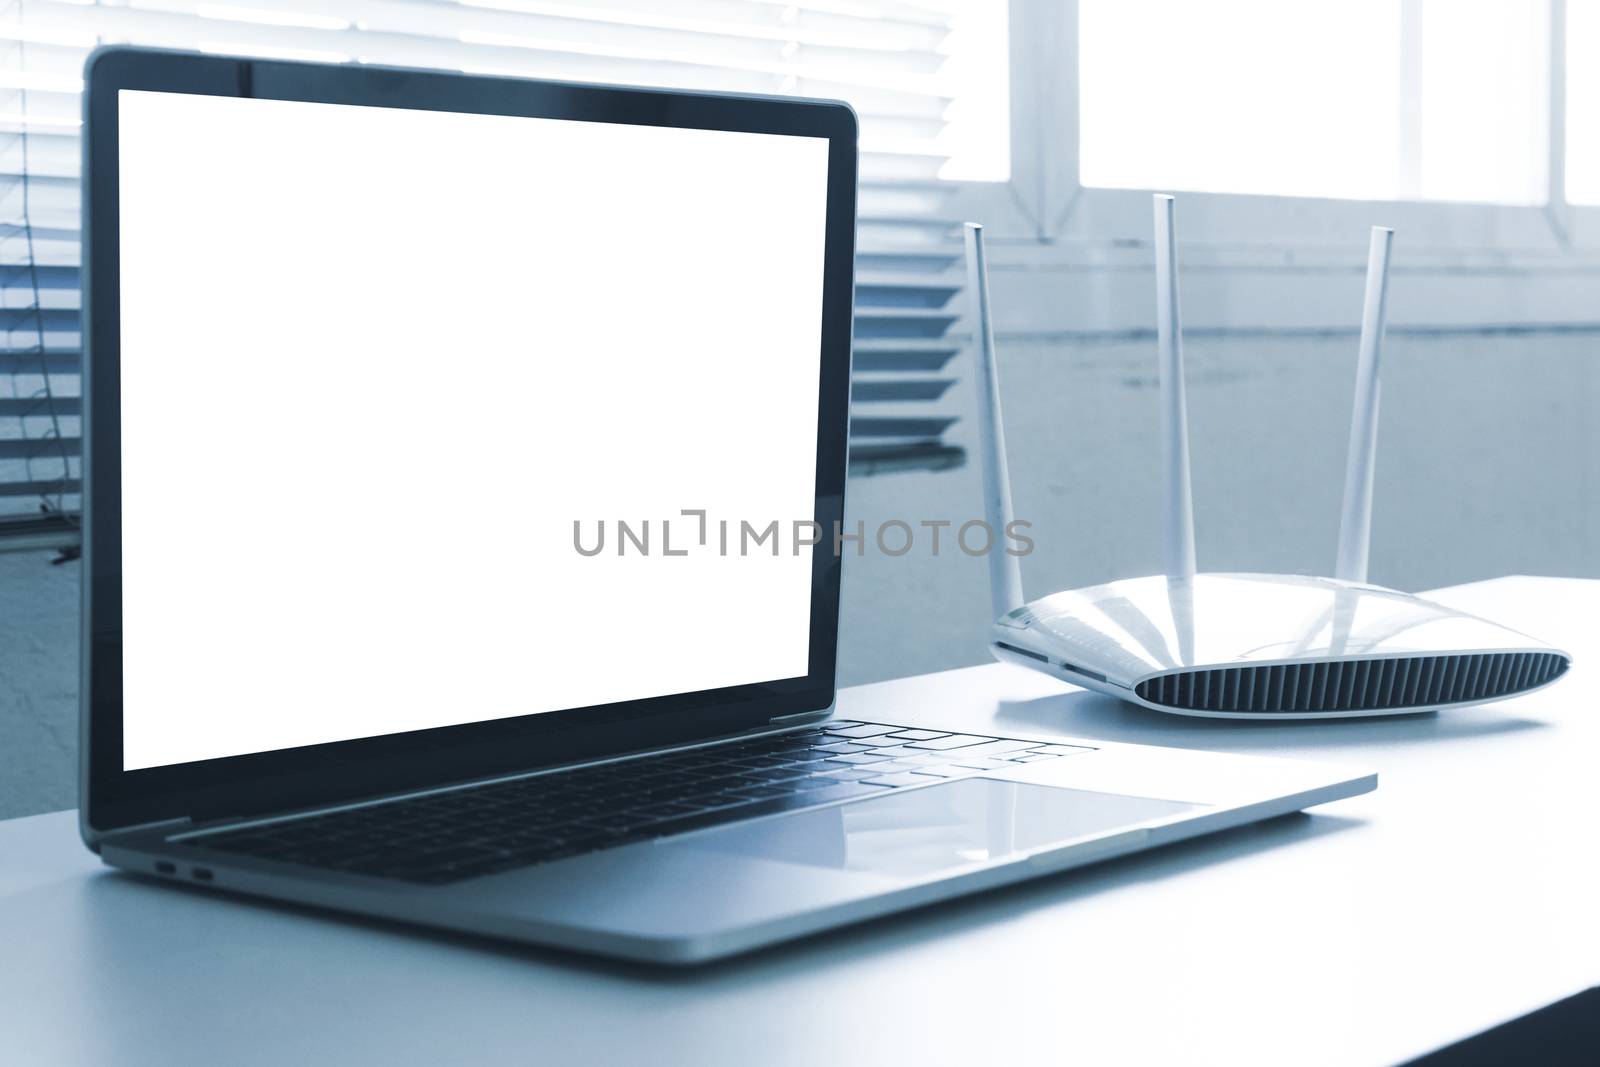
(181, 823)
(800, 716)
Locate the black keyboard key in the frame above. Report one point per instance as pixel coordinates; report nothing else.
(675, 779)
(850, 775)
(665, 811)
(527, 843)
(817, 781)
(949, 741)
(434, 842)
(809, 761)
(865, 729)
(797, 744)
(762, 792)
(762, 761)
(782, 774)
(614, 823)
(445, 857)
(373, 860)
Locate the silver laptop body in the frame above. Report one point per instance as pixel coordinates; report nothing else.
(705, 894)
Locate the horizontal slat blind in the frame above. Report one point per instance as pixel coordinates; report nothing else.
(884, 56)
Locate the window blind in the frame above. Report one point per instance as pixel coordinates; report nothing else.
(884, 56)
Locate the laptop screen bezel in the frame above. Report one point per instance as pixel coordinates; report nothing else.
(279, 780)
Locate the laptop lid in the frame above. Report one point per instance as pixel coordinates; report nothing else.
(439, 426)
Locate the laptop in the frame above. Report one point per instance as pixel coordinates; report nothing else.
(429, 421)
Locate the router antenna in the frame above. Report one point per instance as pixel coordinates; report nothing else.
(1179, 518)
(1355, 521)
(1005, 576)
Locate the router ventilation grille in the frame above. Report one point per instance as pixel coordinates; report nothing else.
(1369, 685)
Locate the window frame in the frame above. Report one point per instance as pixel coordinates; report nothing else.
(1044, 204)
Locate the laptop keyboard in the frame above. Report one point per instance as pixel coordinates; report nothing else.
(465, 833)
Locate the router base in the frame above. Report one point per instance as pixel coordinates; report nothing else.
(1272, 646)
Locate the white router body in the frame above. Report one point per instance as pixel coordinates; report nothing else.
(1271, 646)
(1245, 646)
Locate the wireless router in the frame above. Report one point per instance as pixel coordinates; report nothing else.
(1245, 646)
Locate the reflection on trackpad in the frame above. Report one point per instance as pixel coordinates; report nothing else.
(922, 831)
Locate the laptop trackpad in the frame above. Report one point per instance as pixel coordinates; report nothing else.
(918, 832)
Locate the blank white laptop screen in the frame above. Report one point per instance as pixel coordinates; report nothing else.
(376, 364)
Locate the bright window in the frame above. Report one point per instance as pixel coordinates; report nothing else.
(1359, 99)
(1583, 102)
(977, 134)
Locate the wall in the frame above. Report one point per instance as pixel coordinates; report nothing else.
(38, 684)
(1489, 463)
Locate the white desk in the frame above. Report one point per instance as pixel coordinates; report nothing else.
(1464, 892)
